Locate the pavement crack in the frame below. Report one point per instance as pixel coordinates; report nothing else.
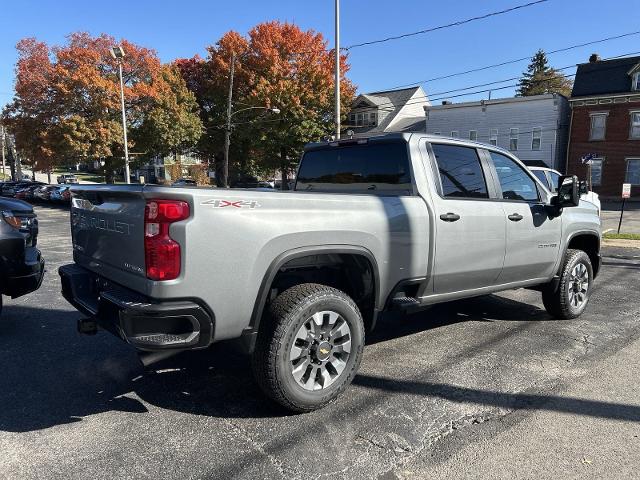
(285, 472)
(371, 442)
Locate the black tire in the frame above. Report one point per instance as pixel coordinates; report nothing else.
(558, 302)
(0, 304)
(287, 315)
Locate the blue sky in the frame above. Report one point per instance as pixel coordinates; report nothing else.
(184, 28)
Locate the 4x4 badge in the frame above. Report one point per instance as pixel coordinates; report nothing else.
(232, 203)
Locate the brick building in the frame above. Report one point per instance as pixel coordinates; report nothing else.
(605, 121)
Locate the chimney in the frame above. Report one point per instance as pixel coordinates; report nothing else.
(594, 58)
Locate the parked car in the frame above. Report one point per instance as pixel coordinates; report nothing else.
(184, 182)
(21, 264)
(9, 189)
(67, 178)
(388, 224)
(60, 194)
(44, 192)
(25, 192)
(549, 178)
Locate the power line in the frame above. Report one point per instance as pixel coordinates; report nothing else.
(449, 25)
(421, 98)
(516, 60)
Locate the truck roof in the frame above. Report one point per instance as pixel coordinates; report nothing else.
(385, 137)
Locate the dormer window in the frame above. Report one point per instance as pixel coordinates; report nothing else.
(636, 81)
(364, 119)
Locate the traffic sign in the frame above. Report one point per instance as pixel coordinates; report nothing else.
(626, 190)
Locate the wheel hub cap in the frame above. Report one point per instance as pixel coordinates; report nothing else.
(578, 285)
(320, 350)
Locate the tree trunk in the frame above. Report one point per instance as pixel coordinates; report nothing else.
(12, 161)
(108, 170)
(284, 168)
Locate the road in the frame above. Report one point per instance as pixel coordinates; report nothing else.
(431, 386)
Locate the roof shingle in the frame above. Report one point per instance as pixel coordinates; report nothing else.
(604, 77)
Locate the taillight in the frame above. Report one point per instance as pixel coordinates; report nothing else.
(162, 253)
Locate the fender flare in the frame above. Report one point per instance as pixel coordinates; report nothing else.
(555, 282)
(250, 333)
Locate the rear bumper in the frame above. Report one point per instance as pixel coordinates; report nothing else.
(22, 269)
(145, 323)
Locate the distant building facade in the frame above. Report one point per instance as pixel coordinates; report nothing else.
(534, 128)
(605, 123)
(160, 169)
(387, 111)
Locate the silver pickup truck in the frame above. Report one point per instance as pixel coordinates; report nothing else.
(390, 223)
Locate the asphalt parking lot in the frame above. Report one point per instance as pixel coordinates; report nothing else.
(85, 407)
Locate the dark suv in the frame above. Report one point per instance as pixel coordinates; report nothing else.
(21, 264)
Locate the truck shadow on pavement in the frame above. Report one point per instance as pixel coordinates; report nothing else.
(52, 377)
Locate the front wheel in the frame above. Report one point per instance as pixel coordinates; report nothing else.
(576, 283)
(309, 347)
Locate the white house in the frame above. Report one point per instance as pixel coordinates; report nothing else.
(388, 111)
(534, 128)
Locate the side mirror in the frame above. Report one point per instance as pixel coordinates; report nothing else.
(568, 192)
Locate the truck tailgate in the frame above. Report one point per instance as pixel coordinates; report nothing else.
(107, 228)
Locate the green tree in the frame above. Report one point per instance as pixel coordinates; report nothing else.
(172, 125)
(540, 78)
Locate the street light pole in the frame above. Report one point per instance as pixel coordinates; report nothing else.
(124, 126)
(337, 69)
(117, 53)
(227, 130)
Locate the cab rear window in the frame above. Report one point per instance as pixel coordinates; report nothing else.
(372, 167)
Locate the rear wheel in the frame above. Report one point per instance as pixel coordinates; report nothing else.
(576, 283)
(309, 347)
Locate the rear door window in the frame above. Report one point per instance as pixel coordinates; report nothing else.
(460, 172)
(369, 168)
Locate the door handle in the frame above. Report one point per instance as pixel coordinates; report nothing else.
(449, 217)
(515, 217)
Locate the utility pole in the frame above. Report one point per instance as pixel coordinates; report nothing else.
(337, 69)
(227, 130)
(2, 141)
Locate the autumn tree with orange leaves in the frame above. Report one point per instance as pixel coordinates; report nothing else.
(276, 65)
(67, 104)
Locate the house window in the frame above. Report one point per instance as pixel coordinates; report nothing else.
(473, 135)
(454, 134)
(598, 126)
(513, 139)
(352, 119)
(536, 138)
(634, 130)
(633, 171)
(596, 171)
(493, 139)
(360, 120)
(636, 81)
(373, 119)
